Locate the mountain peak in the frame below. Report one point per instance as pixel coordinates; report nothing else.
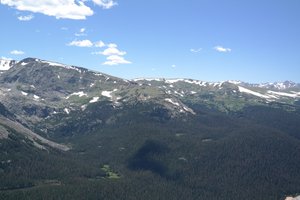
(29, 59)
(278, 85)
(6, 64)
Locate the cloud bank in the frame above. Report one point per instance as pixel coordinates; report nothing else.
(61, 9)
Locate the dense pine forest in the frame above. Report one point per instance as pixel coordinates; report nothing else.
(252, 154)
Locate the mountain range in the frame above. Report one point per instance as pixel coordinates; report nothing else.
(65, 130)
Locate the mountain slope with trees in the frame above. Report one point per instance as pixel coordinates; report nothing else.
(144, 138)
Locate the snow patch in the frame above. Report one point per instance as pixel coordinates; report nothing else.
(67, 110)
(172, 102)
(178, 93)
(235, 82)
(182, 107)
(108, 93)
(24, 93)
(170, 81)
(279, 86)
(61, 65)
(95, 99)
(284, 94)
(80, 94)
(295, 92)
(293, 198)
(6, 64)
(273, 96)
(245, 90)
(98, 74)
(219, 84)
(147, 79)
(54, 64)
(200, 83)
(83, 107)
(186, 108)
(36, 97)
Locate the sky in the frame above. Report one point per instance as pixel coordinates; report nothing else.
(211, 40)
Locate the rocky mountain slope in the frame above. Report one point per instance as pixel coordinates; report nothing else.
(71, 130)
(40, 93)
(35, 89)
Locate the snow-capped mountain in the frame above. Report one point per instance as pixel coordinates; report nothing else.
(181, 87)
(36, 89)
(6, 64)
(94, 118)
(275, 86)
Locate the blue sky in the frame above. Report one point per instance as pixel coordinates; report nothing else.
(210, 40)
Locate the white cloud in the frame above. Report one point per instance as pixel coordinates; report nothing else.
(112, 45)
(81, 43)
(222, 49)
(113, 51)
(82, 30)
(114, 55)
(25, 18)
(196, 50)
(17, 52)
(64, 28)
(115, 60)
(105, 4)
(99, 44)
(67, 9)
(88, 43)
(173, 66)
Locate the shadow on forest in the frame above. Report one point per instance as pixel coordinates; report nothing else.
(149, 157)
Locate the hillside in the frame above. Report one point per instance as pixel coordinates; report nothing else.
(71, 133)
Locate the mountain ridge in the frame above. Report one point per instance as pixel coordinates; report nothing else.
(277, 84)
(70, 130)
(41, 88)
